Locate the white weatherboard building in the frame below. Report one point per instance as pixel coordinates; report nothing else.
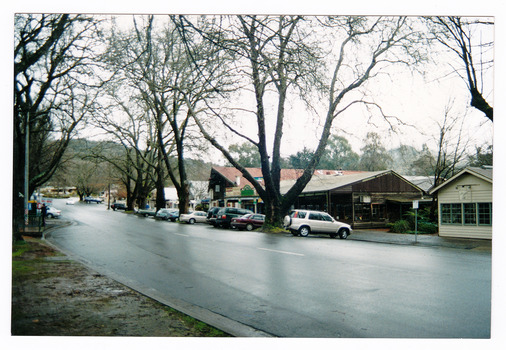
(465, 204)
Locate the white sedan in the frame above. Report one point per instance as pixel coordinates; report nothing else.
(191, 218)
(52, 212)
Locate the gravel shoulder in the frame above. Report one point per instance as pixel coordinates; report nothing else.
(53, 295)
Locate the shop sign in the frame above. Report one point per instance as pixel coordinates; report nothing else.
(233, 191)
(247, 191)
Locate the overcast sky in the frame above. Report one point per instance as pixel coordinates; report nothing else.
(418, 99)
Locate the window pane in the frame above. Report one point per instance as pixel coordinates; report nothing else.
(485, 213)
(470, 213)
(445, 214)
(456, 213)
(314, 216)
(326, 217)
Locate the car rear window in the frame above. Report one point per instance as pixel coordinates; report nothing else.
(298, 214)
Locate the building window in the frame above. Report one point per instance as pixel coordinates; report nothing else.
(470, 213)
(451, 213)
(446, 214)
(466, 213)
(485, 213)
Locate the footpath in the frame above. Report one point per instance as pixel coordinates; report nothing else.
(422, 240)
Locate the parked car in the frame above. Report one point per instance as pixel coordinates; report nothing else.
(118, 206)
(70, 201)
(167, 214)
(225, 216)
(191, 218)
(146, 212)
(52, 212)
(211, 215)
(248, 222)
(93, 200)
(303, 222)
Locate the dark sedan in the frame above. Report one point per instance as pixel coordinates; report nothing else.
(248, 222)
(118, 206)
(168, 214)
(93, 200)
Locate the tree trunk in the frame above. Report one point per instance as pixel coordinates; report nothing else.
(17, 190)
(160, 193)
(478, 102)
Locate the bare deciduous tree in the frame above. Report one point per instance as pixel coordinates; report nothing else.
(53, 92)
(463, 36)
(282, 56)
(155, 64)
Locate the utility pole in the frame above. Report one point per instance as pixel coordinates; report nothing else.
(27, 164)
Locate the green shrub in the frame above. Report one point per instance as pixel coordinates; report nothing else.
(401, 226)
(427, 227)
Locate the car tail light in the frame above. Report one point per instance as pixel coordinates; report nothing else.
(223, 216)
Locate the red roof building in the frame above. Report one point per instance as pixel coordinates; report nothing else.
(228, 187)
(360, 198)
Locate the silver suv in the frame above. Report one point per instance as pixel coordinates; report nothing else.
(303, 222)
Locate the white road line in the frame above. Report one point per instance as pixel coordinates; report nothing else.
(280, 251)
(181, 234)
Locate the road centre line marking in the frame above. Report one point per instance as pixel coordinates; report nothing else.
(280, 251)
(181, 234)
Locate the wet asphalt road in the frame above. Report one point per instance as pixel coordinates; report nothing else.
(290, 286)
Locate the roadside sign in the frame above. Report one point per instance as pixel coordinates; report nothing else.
(415, 206)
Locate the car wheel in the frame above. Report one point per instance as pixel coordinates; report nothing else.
(50, 216)
(249, 227)
(146, 215)
(192, 221)
(304, 231)
(343, 233)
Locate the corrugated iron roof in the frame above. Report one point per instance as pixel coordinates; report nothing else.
(322, 180)
(322, 183)
(231, 174)
(485, 173)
